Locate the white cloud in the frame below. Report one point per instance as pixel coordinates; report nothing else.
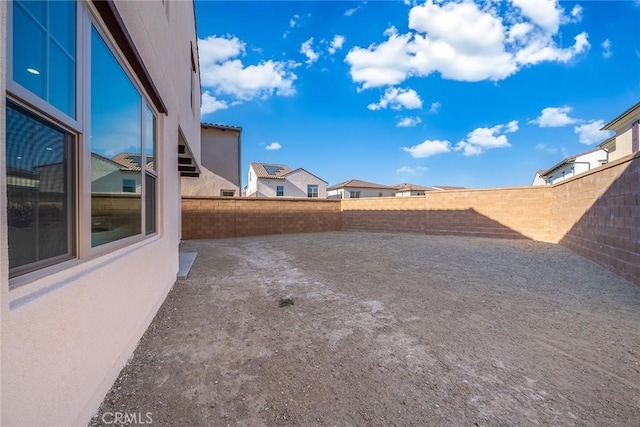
(512, 126)
(576, 13)
(590, 133)
(435, 107)
(398, 98)
(428, 148)
(350, 12)
(295, 21)
(213, 50)
(606, 49)
(273, 146)
(336, 44)
(411, 170)
(211, 104)
(482, 139)
(544, 13)
(552, 117)
(539, 50)
(308, 51)
(462, 41)
(226, 76)
(409, 122)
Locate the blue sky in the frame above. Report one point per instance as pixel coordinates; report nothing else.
(461, 93)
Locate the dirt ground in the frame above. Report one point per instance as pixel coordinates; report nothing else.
(387, 330)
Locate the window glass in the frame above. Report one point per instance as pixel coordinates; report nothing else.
(150, 204)
(44, 54)
(116, 148)
(39, 191)
(150, 138)
(280, 190)
(312, 191)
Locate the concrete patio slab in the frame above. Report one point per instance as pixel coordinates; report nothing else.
(387, 329)
(185, 260)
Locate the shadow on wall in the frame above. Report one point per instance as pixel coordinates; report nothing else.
(607, 230)
(459, 222)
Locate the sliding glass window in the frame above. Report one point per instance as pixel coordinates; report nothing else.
(40, 202)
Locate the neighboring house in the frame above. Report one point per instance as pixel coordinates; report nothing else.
(407, 190)
(273, 180)
(574, 165)
(356, 189)
(220, 173)
(537, 179)
(626, 138)
(88, 239)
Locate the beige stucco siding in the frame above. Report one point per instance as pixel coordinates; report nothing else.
(68, 330)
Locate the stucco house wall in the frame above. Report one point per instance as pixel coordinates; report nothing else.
(626, 139)
(582, 163)
(364, 192)
(220, 163)
(69, 329)
(294, 184)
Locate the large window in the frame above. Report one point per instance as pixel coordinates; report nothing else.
(40, 176)
(56, 147)
(312, 190)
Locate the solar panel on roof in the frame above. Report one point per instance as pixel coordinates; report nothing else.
(273, 170)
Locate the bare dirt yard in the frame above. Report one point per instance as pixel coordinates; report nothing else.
(387, 330)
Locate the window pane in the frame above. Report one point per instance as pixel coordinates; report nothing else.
(62, 19)
(62, 92)
(150, 204)
(44, 51)
(116, 148)
(39, 188)
(29, 52)
(150, 138)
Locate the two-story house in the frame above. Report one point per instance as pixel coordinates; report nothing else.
(220, 163)
(274, 180)
(571, 166)
(88, 239)
(626, 138)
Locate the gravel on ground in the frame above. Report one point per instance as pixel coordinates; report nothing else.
(387, 330)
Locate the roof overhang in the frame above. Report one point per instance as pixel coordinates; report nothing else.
(635, 109)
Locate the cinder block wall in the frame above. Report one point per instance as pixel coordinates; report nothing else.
(598, 216)
(384, 214)
(218, 217)
(525, 212)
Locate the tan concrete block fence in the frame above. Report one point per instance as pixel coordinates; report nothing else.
(596, 214)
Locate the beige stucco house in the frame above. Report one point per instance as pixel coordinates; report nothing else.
(220, 163)
(86, 260)
(275, 180)
(572, 166)
(625, 140)
(356, 188)
(407, 190)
